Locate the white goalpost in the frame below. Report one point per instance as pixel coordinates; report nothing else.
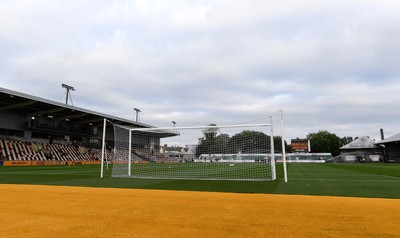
(216, 152)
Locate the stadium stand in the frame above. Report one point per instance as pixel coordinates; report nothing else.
(40, 130)
(18, 150)
(28, 151)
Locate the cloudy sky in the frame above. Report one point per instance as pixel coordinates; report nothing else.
(329, 65)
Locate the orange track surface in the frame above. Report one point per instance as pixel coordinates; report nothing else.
(51, 211)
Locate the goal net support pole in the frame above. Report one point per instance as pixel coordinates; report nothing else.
(272, 150)
(283, 150)
(130, 154)
(103, 147)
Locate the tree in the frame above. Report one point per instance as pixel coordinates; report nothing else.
(325, 142)
(211, 142)
(246, 142)
(211, 131)
(278, 145)
(249, 142)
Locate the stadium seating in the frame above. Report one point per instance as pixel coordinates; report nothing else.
(18, 150)
(25, 151)
(143, 154)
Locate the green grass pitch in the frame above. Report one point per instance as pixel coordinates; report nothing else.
(356, 180)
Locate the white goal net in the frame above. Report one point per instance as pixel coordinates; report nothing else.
(215, 152)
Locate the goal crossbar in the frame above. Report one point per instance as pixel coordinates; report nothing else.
(197, 127)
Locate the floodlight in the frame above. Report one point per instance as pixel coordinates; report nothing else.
(137, 110)
(67, 94)
(68, 87)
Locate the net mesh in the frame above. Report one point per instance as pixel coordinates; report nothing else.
(196, 153)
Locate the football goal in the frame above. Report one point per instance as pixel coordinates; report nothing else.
(214, 152)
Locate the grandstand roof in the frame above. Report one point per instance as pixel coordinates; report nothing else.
(34, 106)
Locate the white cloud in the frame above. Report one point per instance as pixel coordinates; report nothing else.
(328, 64)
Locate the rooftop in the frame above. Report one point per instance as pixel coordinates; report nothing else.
(363, 142)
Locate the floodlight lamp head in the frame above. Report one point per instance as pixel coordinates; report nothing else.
(137, 109)
(68, 87)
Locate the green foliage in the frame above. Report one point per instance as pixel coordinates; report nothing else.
(212, 144)
(247, 141)
(278, 145)
(325, 142)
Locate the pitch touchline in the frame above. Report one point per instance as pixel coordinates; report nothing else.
(347, 180)
(387, 176)
(19, 173)
(341, 175)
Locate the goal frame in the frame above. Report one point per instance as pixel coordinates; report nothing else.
(217, 127)
(270, 155)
